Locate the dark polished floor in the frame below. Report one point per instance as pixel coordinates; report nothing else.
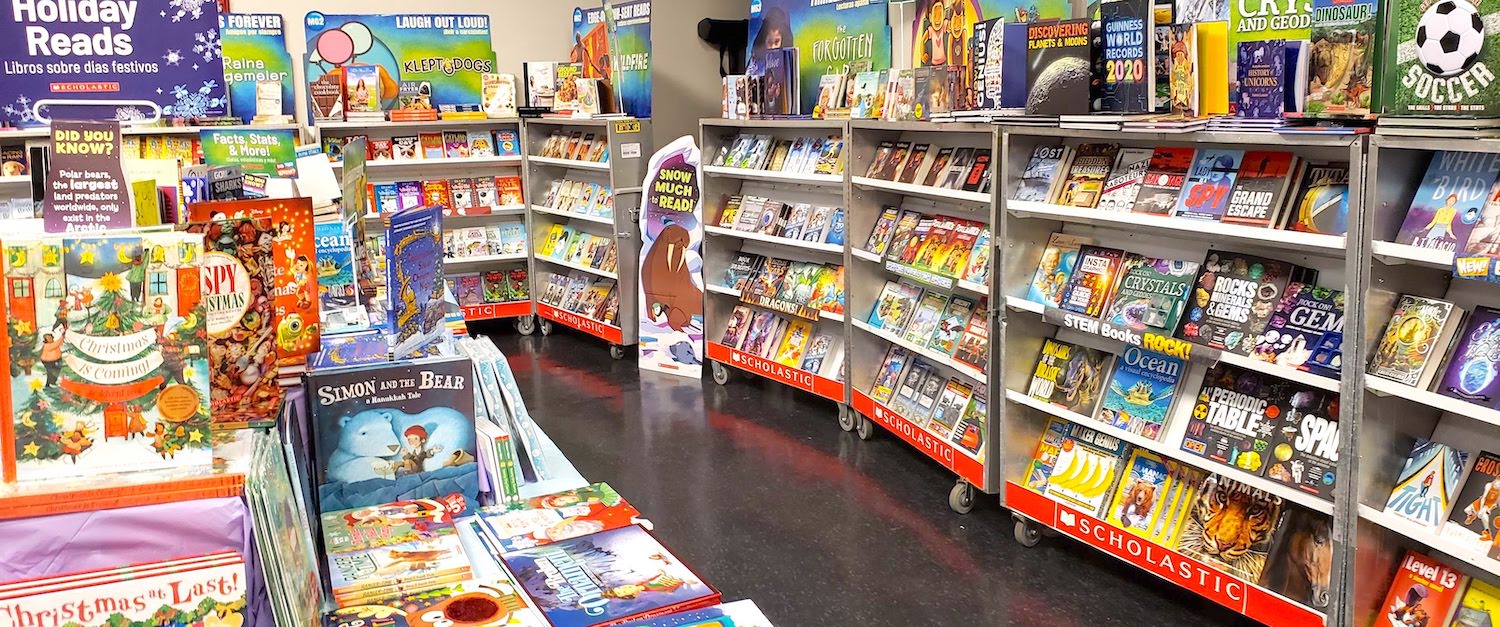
(755, 487)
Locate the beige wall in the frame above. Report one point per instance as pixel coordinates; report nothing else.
(685, 70)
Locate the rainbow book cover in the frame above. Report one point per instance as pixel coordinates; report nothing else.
(1428, 483)
(607, 578)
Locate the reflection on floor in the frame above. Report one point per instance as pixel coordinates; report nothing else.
(755, 486)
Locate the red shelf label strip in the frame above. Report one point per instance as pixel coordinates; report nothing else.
(787, 375)
(593, 327)
(492, 311)
(946, 454)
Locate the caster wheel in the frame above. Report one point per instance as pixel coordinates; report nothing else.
(546, 327)
(526, 325)
(866, 429)
(1027, 533)
(961, 497)
(720, 372)
(616, 351)
(848, 420)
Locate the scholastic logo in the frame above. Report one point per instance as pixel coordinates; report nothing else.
(1136, 550)
(790, 376)
(918, 437)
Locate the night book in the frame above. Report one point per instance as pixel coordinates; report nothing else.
(1475, 363)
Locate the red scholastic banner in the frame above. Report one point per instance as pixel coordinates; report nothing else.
(800, 379)
(1208, 582)
(960, 463)
(609, 333)
(493, 311)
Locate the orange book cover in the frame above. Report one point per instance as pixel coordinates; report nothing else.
(510, 193)
(1423, 589)
(295, 287)
(43, 500)
(437, 194)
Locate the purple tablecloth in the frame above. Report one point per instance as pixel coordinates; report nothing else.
(65, 543)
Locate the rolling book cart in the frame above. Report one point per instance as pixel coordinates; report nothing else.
(962, 445)
(619, 170)
(1026, 228)
(723, 244)
(393, 169)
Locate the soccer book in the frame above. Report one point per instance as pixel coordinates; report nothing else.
(1245, 555)
(1141, 390)
(1450, 200)
(1165, 175)
(1093, 280)
(1321, 202)
(614, 576)
(1305, 443)
(1232, 298)
(1415, 340)
(1473, 520)
(1306, 332)
(1472, 368)
(1206, 191)
(1151, 293)
(1070, 376)
(1260, 188)
(1428, 484)
(1058, 67)
(1231, 424)
(1087, 173)
(1041, 173)
(1125, 179)
(1423, 588)
(1087, 467)
(1439, 60)
(1141, 494)
(1054, 268)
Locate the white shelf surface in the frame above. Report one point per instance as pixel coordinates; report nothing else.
(723, 289)
(1387, 387)
(455, 261)
(365, 126)
(925, 191)
(860, 253)
(578, 266)
(1162, 448)
(1234, 359)
(1392, 253)
(776, 177)
(1326, 245)
(969, 372)
(193, 130)
(572, 215)
(837, 249)
(15, 180)
(392, 164)
(570, 163)
(1453, 548)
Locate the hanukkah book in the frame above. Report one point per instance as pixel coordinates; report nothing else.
(1151, 293)
(109, 372)
(609, 577)
(1450, 200)
(391, 432)
(1206, 191)
(1472, 368)
(1232, 298)
(1141, 390)
(1415, 340)
(1306, 332)
(1472, 520)
(1428, 484)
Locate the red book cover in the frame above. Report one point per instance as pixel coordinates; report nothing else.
(1163, 183)
(241, 346)
(437, 194)
(1423, 592)
(1260, 188)
(509, 188)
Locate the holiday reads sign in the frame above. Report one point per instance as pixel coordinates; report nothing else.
(86, 188)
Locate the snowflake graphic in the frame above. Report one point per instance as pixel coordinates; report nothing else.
(208, 44)
(194, 103)
(192, 9)
(20, 111)
(172, 57)
(127, 114)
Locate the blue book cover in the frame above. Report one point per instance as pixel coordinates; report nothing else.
(387, 198)
(1205, 193)
(507, 143)
(1450, 200)
(1306, 332)
(1140, 391)
(1473, 369)
(1013, 78)
(1261, 71)
(1054, 269)
(357, 348)
(1124, 78)
(393, 432)
(606, 578)
(1428, 483)
(414, 279)
(338, 292)
(836, 228)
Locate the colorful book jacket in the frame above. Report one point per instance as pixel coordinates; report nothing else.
(1141, 493)
(1305, 444)
(1306, 332)
(1321, 202)
(390, 571)
(1093, 280)
(1260, 188)
(1232, 299)
(1450, 200)
(1299, 565)
(1070, 376)
(1479, 607)
(1054, 269)
(493, 602)
(1087, 173)
(558, 517)
(1124, 74)
(236, 271)
(1428, 483)
(1045, 458)
(1233, 420)
(385, 524)
(1164, 178)
(1087, 467)
(187, 591)
(1036, 181)
(1206, 191)
(1473, 521)
(109, 367)
(1221, 498)
(607, 578)
(1141, 390)
(1262, 73)
(1411, 344)
(1475, 364)
(1423, 588)
(414, 279)
(1343, 84)
(338, 292)
(393, 432)
(1151, 293)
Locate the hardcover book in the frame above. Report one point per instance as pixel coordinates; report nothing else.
(1306, 332)
(1260, 189)
(1205, 193)
(1321, 203)
(1041, 171)
(1151, 293)
(1415, 340)
(1058, 67)
(1234, 419)
(1261, 74)
(1087, 467)
(238, 267)
(1473, 521)
(1344, 85)
(1093, 280)
(1141, 390)
(1070, 376)
(1141, 494)
(556, 517)
(1305, 445)
(1423, 588)
(621, 575)
(1258, 510)
(1475, 364)
(1164, 178)
(1232, 299)
(1124, 182)
(495, 601)
(1304, 538)
(1055, 267)
(1126, 73)
(182, 591)
(391, 432)
(379, 574)
(1087, 173)
(1429, 51)
(382, 525)
(414, 252)
(1450, 200)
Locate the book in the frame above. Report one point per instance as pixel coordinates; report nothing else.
(950, 407)
(1087, 173)
(1450, 200)
(939, 168)
(1321, 202)
(1260, 188)
(1058, 67)
(1092, 280)
(1472, 368)
(1054, 268)
(1427, 52)
(1041, 171)
(889, 373)
(622, 575)
(1415, 340)
(978, 177)
(1141, 391)
(394, 431)
(496, 601)
(455, 144)
(1423, 588)
(195, 589)
(1045, 457)
(1480, 605)
(1127, 82)
(1087, 467)
(914, 163)
(1305, 441)
(902, 234)
(968, 434)
(238, 270)
(925, 319)
(1344, 86)
(1473, 520)
(381, 574)
(1306, 332)
(1151, 293)
(431, 144)
(338, 293)
(794, 344)
(1235, 417)
(1299, 565)
(895, 305)
(1164, 178)
(1141, 493)
(1125, 178)
(1206, 191)
(1261, 76)
(550, 518)
(413, 253)
(1220, 499)
(1070, 376)
(973, 346)
(1180, 498)
(362, 92)
(1232, 298)
(1182, 53)
(950, 326)
(498, 95)
(818, 351)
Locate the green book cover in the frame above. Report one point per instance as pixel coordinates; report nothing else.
(1151, 293)
(1439, 61)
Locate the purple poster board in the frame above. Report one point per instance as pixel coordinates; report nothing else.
(87, 190)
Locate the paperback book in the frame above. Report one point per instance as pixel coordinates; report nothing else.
(1422, 588)
(496, 601)
(1087, 173)
(1206, 191)
(1141, 494)
(1087, 468)
(1165, 175)
(1093, 280)
(1474, 521)
(1125, 179)
(1141, 391)
(1055, 267)
(1321, 202)
(1343, 83)
(1450, 200)
(556, 517)
(1058, 63)
(1415, 340)
(1261, 69)
(1260, 188)
(1041, 171)
(1428, 484)
(1259, 511)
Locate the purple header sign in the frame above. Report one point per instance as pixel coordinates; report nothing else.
(110, 59)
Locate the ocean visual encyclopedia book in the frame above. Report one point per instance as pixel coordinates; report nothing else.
(1141, 391)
